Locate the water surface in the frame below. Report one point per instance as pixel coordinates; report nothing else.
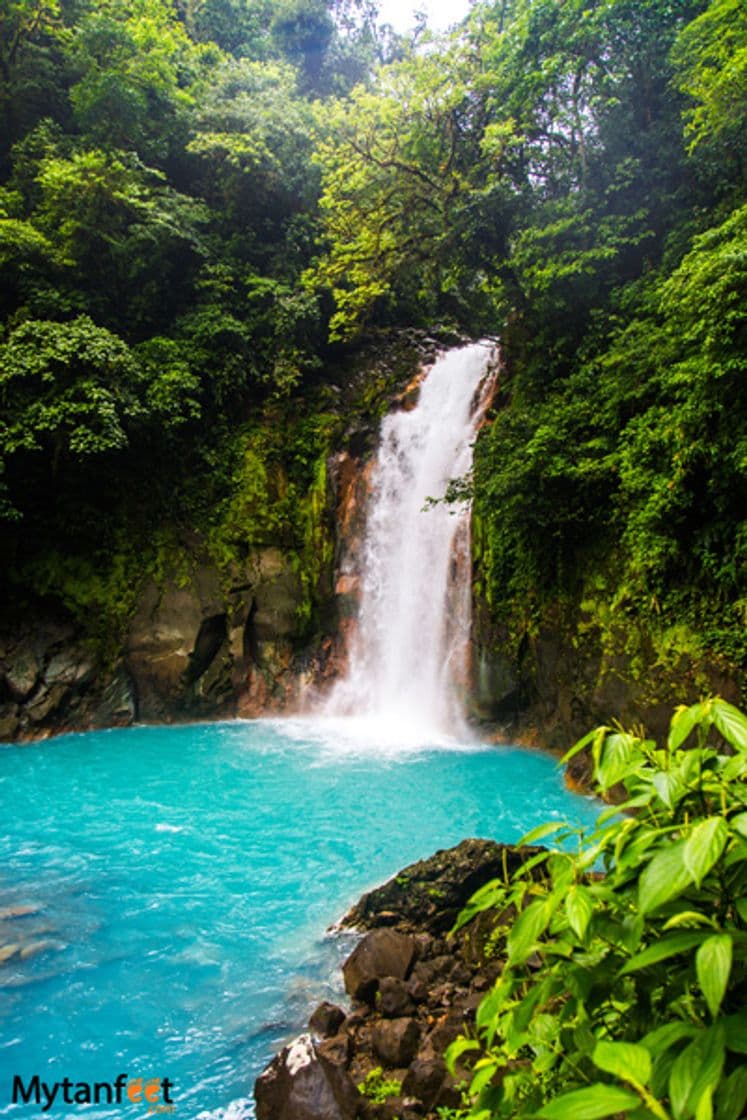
(183, 878)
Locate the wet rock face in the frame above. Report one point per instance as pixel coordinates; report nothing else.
(50, 680)
(302, 1084)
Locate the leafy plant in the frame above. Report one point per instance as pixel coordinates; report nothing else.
(625, 992)
(377, 1088)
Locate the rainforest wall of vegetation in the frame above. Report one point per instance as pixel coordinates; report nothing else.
(207, 205)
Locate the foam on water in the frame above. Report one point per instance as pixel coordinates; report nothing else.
(183, 879)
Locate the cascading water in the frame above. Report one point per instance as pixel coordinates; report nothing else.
(409, 650)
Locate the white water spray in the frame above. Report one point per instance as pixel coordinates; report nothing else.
(409, 653)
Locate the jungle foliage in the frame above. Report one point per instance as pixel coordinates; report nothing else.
(201, 202)
(624, 993)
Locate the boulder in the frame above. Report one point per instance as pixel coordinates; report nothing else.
(383, 952)
(22, 673)
(395, 1041)
(394, 1000)
(428, 896)
(300, 1084)
(9, 724)
(424, 1079)
(326, 1020)
(337, 1050)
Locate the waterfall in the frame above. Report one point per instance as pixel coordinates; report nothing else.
(408, 656)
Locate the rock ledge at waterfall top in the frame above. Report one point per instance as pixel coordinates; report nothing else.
(413, 990)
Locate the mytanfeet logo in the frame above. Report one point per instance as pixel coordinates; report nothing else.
(154, 1092)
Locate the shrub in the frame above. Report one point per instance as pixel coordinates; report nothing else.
(626, 992)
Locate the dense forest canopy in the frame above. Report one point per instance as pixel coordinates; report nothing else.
(202, 202)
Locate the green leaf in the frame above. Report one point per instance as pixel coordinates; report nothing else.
(662, 950)
(739, 824)
(713, 965)
(492, 1003)
(579, 906)
(704, 1110)
(688, 918)
(661, 1039)
(617, 759)
(598, 732)
(664, 877)
(731, 1095)
(540, 832)
(592, 1103)
(626, 1060)
(696, 1071)
(487, 897)
(669, 787)
(736, 1032)
(731, 723)
(529, 926)
(485, 1071)
(704, 845)
(683, 721)
(455, 1050)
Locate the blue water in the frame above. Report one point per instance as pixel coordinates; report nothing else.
(182, 880)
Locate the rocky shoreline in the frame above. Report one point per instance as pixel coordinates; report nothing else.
(413, 990)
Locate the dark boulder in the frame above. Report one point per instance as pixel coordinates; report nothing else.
(394, 1000)
(428, 896)
(326, 1020)
(383, 952)
(301, 1084)
(395, 1041)
(424, 1079)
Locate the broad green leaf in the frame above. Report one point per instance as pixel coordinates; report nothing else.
(731, 1095)
(615, 761)
(663, 878)
(485, 1071)
(455, 1050)
(669, 787)
(704, 1110)
(579, 906)
(736, 1032)
(584, 742)
(488, 896)
(696, 1070)
(492, 1003)
(540, 832)
(731, 723)
(659, 1040)
(593, 1103)
(704, 845)
(683, 721)
(626, 1060)
(713, 965)
(529, 926)
(737, 854)
(739, 824)
(662, 950)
